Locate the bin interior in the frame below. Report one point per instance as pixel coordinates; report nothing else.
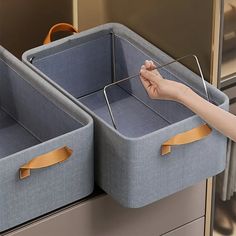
(26, 116)
(85, 69)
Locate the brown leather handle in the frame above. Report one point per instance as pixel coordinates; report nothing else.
(59, 27)
(51, 158)
(189, 136)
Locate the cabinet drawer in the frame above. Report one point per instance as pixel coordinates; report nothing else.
(102, 216)
(195, 228)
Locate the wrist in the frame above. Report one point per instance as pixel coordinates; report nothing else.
(184, 94)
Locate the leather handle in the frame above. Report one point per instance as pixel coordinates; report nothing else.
(59, 27)
(51, 158)
(189, 136)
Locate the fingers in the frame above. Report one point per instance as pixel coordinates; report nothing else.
(149, 65)
(146, 83)
(149, 75)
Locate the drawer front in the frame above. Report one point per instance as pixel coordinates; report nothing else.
(102, 216)
(195, 228)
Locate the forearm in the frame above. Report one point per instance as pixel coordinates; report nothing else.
(216, 117)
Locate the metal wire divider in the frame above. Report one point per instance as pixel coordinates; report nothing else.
(137, 76)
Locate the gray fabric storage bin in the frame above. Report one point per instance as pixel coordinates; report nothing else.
(128, 164)
(35, 120)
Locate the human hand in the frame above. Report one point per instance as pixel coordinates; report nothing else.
(159, 88)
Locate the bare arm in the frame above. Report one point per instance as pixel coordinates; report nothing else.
(159, 88)
(216, 117)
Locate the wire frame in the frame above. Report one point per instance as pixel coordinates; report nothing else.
(158, 67)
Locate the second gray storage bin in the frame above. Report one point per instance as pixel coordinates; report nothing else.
(128, 161)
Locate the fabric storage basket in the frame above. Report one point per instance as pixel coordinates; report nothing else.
(38, 129)
(128, 163)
